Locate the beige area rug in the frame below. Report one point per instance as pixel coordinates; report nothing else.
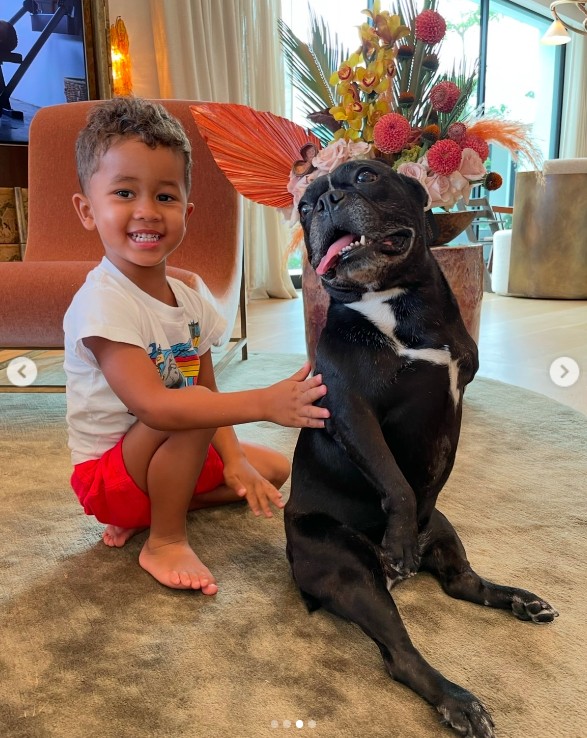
(92, 646)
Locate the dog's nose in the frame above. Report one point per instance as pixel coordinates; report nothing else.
(330, 200)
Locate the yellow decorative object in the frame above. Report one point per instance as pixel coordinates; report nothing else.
(121, 65)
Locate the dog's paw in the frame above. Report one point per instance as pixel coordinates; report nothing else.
(465, 713)
(527, 606)
(400, 562)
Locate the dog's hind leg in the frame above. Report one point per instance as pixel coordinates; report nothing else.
(342, 569)
(445, 558)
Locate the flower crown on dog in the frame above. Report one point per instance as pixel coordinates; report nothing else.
(385, 100)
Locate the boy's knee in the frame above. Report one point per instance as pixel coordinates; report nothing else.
(194, 436)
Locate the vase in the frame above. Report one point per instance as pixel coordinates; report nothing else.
(450, 225)
(462, 267)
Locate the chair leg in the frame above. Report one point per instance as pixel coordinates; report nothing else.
(239, 343)
(243, 312)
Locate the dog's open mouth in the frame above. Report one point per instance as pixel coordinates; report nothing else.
(350, 244)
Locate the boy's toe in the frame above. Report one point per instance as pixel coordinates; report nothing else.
(175, 579)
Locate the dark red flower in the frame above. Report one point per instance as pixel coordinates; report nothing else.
(405, 52)
(430, 62)
(406, 99)
(457, 131)
(477, 144)
(493, 181)
(431, 133)
(391, 133)
(444, 157)
(430, 27)
(444, 96)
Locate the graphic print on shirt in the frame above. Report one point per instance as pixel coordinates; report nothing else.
(178, 366)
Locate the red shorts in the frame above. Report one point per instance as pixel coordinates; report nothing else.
(108, 492)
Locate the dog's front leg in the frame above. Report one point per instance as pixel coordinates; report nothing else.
(355, 427)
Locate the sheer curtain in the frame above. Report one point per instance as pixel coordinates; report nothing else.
(574, 126)
(228, 51)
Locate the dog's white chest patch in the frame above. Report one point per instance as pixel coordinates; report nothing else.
(378, 309)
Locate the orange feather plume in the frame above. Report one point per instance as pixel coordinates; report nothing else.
(255, 150)
(509, 134)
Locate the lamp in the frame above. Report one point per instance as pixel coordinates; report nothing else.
(121, 67)
(557, 32)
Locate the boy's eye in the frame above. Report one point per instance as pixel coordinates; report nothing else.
(165, 198)
(123, 193)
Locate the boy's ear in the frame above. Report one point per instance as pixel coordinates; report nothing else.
(188, 211)
(84, 211)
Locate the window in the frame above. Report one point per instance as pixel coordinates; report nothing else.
(343, 19)
(519, 78)
(527, 90)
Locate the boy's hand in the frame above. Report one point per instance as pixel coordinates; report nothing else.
(290, 401)
(246, 481)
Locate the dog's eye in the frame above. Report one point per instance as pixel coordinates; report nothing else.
(305, 209)
(365, 176)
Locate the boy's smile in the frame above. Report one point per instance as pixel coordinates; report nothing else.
(137, 201)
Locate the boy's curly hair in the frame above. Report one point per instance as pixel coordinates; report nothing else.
(128, 117)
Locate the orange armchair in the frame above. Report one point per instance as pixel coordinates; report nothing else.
(36, 292)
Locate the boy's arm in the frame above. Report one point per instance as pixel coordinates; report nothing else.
(239, 475)
(225, 439)
(136, 382)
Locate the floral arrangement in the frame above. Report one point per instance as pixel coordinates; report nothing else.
(388, 100)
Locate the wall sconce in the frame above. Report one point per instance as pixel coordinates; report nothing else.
(557, 32)
(121, 68)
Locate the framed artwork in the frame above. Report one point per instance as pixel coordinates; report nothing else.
(51, 51)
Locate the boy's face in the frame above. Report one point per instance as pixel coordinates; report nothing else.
(137, 202)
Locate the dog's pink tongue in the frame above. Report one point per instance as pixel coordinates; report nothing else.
(331, 255)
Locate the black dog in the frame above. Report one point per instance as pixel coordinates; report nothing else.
(395, 357)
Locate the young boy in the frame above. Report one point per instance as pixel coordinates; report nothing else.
(151, 440)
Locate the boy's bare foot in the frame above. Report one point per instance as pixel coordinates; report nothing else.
(176, 565)
(116, 536)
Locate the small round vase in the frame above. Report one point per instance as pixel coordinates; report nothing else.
(461, 265)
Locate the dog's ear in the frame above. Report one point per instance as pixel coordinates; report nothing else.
(416, 187)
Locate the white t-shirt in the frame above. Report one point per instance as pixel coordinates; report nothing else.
(109, 305)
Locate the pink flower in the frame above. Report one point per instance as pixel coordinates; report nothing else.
(419, 172)
(391, 133)
(360, 150)
(459, 187)
(430, 27)
(444, 157)
(439, 189)
(444, 96)
(331, 156)
(337, 152)
(297, 186)
(471, 165)
(327, 159)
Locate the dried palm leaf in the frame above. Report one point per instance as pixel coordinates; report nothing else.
(255, 150)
